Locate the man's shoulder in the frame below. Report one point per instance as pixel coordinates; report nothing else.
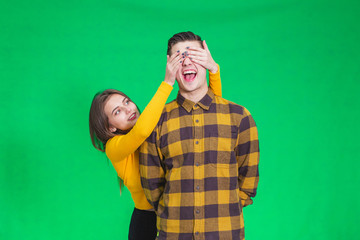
(171, 106)
(233, 107)
(168, 109)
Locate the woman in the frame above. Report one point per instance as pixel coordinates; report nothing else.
(117, 128)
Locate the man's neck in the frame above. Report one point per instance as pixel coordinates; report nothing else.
(195, 96)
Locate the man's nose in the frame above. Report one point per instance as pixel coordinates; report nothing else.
(187, 61)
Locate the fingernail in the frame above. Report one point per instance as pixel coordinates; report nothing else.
(182, 54)
(180, 61)
(187, 47)
(178, 51)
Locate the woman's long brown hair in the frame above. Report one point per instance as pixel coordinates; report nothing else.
(99, 122)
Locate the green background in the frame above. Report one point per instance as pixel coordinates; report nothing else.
(294, 64)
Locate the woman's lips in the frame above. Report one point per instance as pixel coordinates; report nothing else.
(132, 117)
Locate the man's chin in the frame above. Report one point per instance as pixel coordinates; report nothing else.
(188, 87)
(189, 84)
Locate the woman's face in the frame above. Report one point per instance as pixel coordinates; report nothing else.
(121, 112)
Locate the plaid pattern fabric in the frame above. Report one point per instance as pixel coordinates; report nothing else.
(199, 167)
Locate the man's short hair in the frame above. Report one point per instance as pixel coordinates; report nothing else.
(182, 37)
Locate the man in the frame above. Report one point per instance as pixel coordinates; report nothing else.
(199, 167)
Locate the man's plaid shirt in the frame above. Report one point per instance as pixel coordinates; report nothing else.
(199, 168)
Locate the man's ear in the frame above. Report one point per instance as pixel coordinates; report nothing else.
(112, 129)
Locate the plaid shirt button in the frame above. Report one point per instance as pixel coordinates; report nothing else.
(198, 211)
(197, 164)
(197, 142)
(197, 187)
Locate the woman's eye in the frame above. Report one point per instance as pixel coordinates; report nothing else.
(127, 102)
(117, 112)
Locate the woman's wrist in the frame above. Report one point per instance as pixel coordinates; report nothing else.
(214, 68)
(171, 83)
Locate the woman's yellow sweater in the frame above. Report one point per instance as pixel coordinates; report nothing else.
(122, 150)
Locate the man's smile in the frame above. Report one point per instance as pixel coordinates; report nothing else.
(189, 74)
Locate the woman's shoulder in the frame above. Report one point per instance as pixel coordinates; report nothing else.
(111, 146)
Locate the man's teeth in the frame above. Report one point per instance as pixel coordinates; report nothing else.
(189, 72)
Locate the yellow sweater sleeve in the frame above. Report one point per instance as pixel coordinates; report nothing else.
(119, 147)
(215, 82)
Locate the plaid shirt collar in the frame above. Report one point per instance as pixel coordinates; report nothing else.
(204, 103)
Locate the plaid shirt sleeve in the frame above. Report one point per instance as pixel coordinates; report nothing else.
(247, 155)
(151, 170)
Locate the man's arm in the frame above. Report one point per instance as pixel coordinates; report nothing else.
(151, 170)
(247, 155)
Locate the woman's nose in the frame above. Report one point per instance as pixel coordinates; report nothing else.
(126, 109)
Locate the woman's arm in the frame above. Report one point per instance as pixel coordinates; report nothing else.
(215, 82)
(119, 147)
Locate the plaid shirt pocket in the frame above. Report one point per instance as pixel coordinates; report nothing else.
(221, 149)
